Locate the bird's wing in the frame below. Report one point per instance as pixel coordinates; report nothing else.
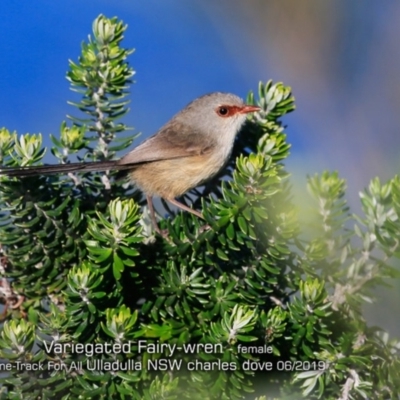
(172, 141)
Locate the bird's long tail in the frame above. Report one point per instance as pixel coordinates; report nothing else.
(64, 168)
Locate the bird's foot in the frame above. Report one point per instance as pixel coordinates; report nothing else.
(204, 228)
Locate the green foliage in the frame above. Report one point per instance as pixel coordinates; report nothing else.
(260, 300)
(102, 77)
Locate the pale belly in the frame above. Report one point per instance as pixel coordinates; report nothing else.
(172, 178)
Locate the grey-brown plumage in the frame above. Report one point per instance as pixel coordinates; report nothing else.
(188, 150)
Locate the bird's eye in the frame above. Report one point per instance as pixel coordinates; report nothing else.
(222, 111)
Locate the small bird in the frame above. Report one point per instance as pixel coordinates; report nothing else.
(187, 151)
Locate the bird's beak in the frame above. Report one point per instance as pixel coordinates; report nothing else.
(248, 109)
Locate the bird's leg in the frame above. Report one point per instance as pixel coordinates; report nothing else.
(177, 204)
(186, 208)
(152, 214)
(196, 213)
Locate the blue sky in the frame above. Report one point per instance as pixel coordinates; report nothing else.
(175, 60)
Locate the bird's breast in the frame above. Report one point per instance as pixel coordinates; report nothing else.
(172, 178)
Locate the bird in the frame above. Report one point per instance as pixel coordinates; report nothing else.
(190, 149)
